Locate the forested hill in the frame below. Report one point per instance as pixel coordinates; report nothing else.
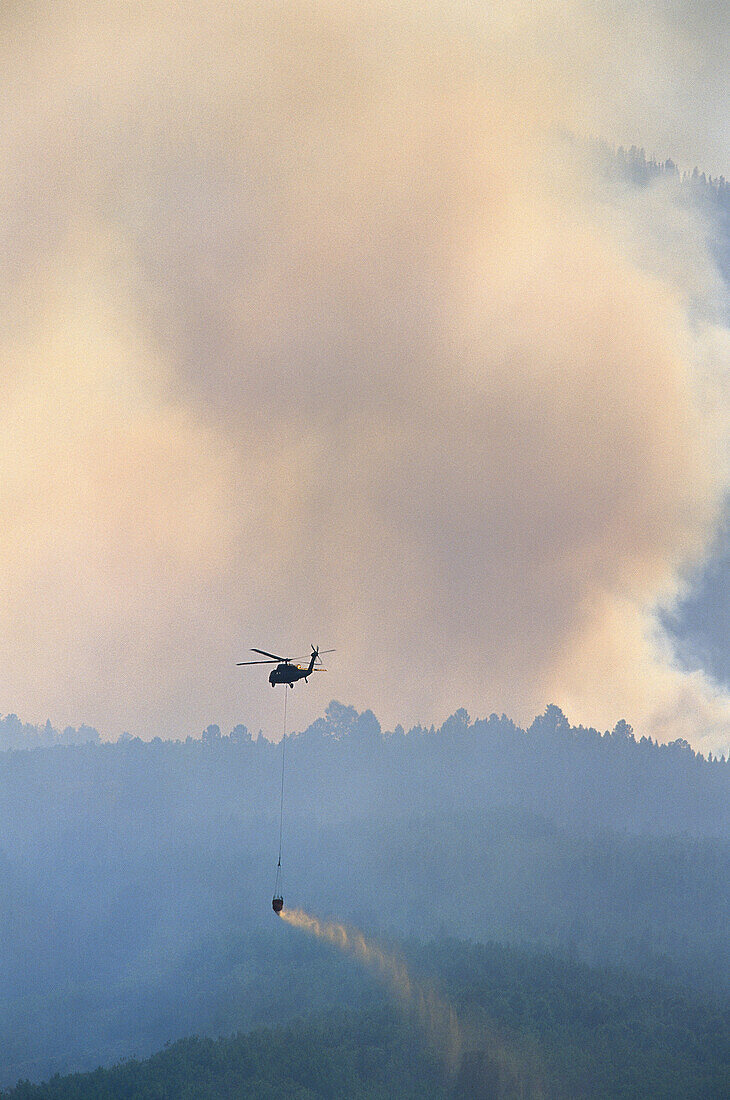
(130, 872)
(345, 766)
(532, 1026)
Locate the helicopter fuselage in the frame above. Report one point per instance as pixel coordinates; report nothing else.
(288, 673)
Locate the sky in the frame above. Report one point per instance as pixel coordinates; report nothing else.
(315, 331)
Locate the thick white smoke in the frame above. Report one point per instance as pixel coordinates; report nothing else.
(312, 335)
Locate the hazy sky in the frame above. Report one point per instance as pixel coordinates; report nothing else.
(309, 333)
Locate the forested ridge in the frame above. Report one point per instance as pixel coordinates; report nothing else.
(575, 775)
(15, 734)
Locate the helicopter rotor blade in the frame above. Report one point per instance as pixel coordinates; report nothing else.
(272, 655)
(273, 658)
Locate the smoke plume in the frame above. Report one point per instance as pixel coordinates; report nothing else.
(436, 1018)
(312, 332)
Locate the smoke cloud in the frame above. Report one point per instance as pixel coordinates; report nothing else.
(312, 331)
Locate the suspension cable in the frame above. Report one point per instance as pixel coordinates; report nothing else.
(283, 757)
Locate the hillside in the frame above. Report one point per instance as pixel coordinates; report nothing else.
(123, 865)
(532, 1025)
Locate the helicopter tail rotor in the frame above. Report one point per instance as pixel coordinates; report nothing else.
(318, 653)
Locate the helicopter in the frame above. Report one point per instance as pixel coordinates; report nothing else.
(286, 672)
